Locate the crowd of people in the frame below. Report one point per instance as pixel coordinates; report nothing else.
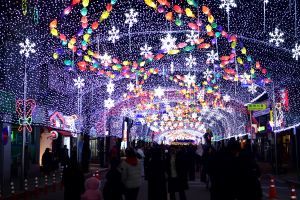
(227, 168)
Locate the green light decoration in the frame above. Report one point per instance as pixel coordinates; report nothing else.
(12, 136)
(36, 15)
(25, 122)
(7, 102)
(24, 7)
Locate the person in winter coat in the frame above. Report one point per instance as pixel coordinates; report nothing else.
(113, 187)
(131, 175)
(47, 161)
(92, 191)
(157, 189)
(73, 180)
(177, 174)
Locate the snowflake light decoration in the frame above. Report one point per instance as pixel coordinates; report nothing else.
(190, 61)
(296, 52)
(27, 48)
(110, 87)
(131, 17)
(168, 43)
(226, 98)
(109, 103)
(228, 4)
(276, 37)
(159, 92)
(201, 95)
(191, 37)
(145, 50)
(212, 57)
(208, 74)
(189, 80)
(245, 78)
(113, 34)
(194, 115)
(172, 67)
(252, 88)
(105, 59)
(79, 83)
(130, 87)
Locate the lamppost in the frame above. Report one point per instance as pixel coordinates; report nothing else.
(26, 49)
(79, 83)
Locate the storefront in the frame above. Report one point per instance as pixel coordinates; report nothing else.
(54, 139)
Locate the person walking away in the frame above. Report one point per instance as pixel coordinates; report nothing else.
(65, 159)
(131, 174)
(249, 175)
(47, 161)
(191, 158)
(113, 187)
(92, 191)
(73, 180)
(141, 157)
(156, 180)
(177, 174)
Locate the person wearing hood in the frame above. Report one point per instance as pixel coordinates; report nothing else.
(92, 191)
(131, 174)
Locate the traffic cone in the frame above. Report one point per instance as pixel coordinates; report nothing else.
(0, 193)
(293, 193)
(272, 189)
(12, 191)
(26, 194)
(97, 175)
(36, 187)
(46, 185)
(53, 183)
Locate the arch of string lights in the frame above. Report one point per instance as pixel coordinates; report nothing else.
(51, 85)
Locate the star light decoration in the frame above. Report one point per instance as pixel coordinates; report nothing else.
(168, 43)
(131, 17)
(189, 80)
(130, 87)
(105, 59)
(110, 87)
(252, 88)
(159, 92)
(191, 38)
(212, 57)
(79, 83)
(27, 48)
(276, 37)
(296, 51)
(190, 61)
(109, 103)
(208, 74)
(113, 34)
(146, 50)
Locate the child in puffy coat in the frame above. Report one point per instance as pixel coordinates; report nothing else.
(92, 191)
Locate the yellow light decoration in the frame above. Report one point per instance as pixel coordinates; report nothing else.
(189, 12)
(54, 32)
(104, 16)
(150, 3)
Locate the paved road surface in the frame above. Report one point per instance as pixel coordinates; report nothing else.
(198, 191)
